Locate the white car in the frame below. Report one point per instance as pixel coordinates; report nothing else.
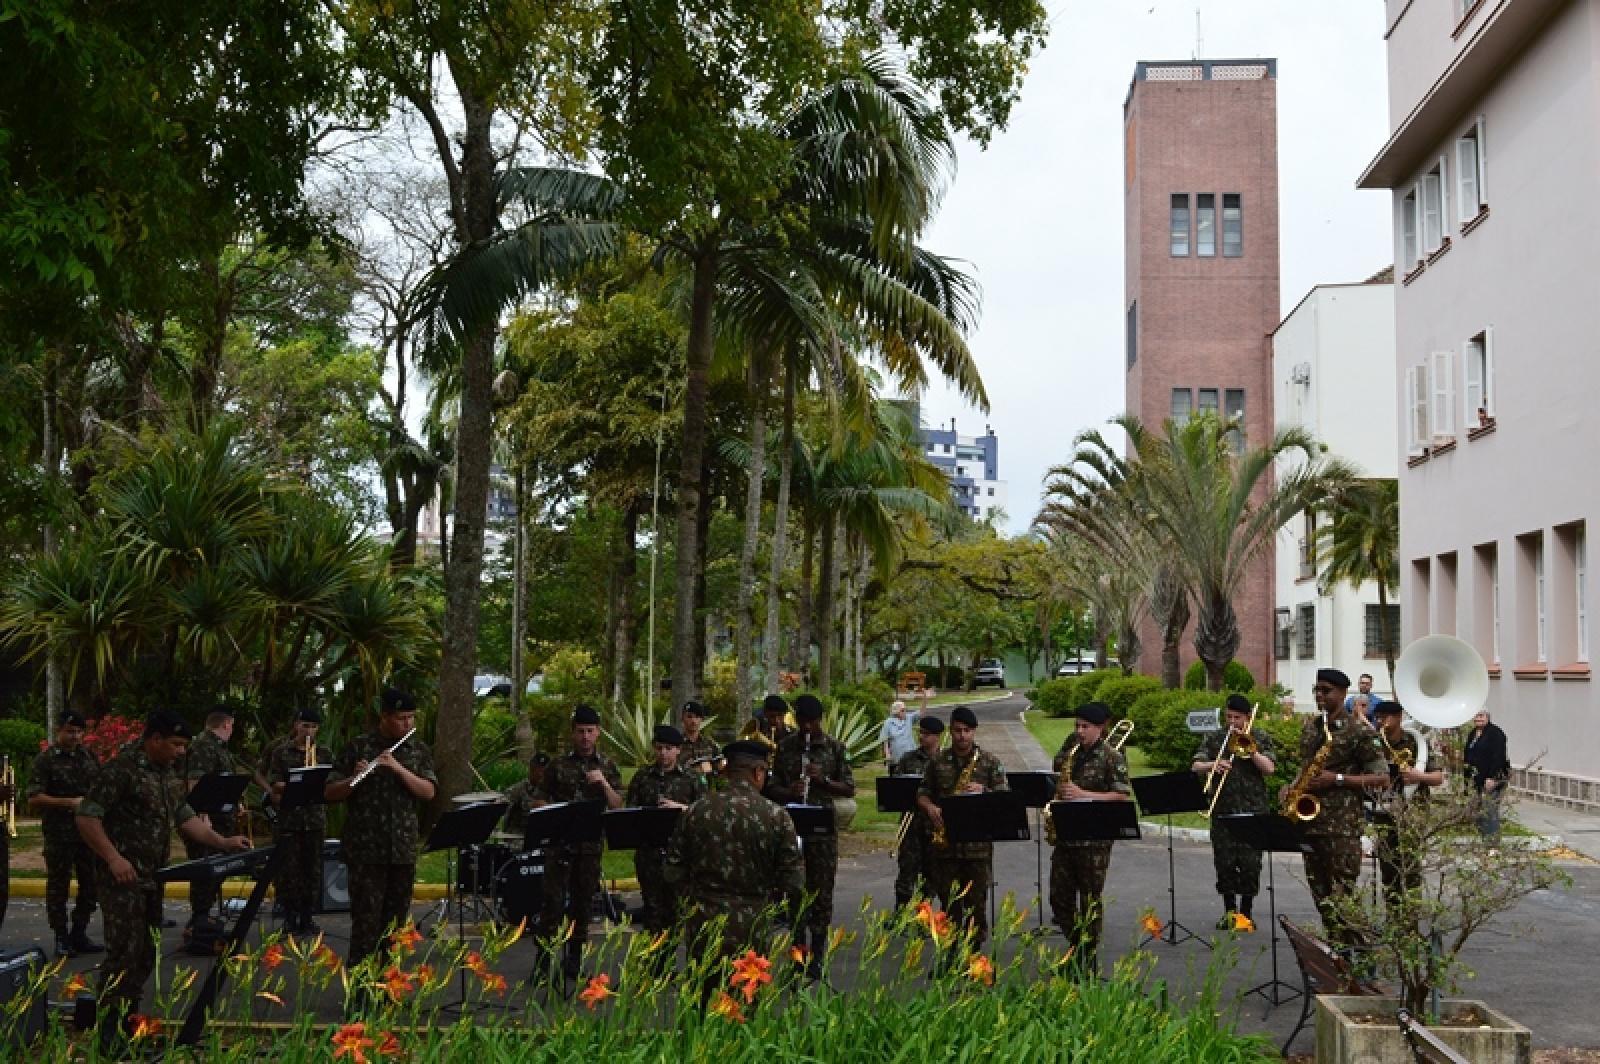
(1075, 667)
(989, 671)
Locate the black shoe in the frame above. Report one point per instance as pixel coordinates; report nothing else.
(82, 943)
(63, 945)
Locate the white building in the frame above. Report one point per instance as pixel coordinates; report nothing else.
(1495, 144)
(1331, 358)
(972, 466)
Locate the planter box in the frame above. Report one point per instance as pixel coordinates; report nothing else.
(1341, 1039)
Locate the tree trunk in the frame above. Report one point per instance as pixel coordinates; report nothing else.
(744, 621)
(1177, 619)
(54, 686)
(800, 652)
(1384, 633)
(707, 619)
(702, 338)
(519, 599)
(627, 621)
(826, 592)
(780, 536)
(1216, 638)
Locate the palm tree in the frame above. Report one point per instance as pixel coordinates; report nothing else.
(1362, 543)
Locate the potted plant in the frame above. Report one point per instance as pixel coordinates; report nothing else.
(1445, 884)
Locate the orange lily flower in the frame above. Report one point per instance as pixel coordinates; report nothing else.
(1241, 922)
(749, 973)
(272, 956)
(146, 1027)
(351, 1041)
(727, 1008)
(598, 990)
(389, 1045)
(980, 969)
(75, 986)
(940, 928)
(398, 983)
(325, 957)
(799, 953)
(925, 914)
(493, 982)
(1151, 923)
(405, 939)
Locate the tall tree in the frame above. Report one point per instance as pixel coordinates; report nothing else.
(1361, 543)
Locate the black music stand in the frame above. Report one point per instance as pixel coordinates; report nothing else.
(1037, 790)
(1270, 833)
(194, 1023)
(218, 793)
(989, 816)
(897, 794)
(639, 828)
(305, 787)
(570, 823)
(811, 821)
(1163, 795)
(465, 827)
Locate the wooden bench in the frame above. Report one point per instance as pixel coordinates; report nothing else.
(1425, 1045)
(1322, 971)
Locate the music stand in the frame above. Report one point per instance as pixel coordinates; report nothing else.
(1165, 794)
(1270, 833)
(897, 794)
(1037, 790)
(811, 821)
(563, 823)
(218, 793)
(639, 828)
(305, 787)
(462, 828)
(989, 816)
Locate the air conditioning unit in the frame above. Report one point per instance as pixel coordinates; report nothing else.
(1301, 373)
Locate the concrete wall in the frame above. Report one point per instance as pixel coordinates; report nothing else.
(1425, 36)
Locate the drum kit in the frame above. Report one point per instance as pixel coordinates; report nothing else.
(499, 875)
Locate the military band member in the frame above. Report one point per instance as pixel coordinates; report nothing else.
(61, 777)
(961, 871)
(734, 855)
(915, 859)
(7, 793)
(1096, 773)
(572, 870)
(527, 795)
(208, 754)
(774, 719)
(1243, 784)
(382, 822)
(666, 784)
(1355, 762)
(298, 832)
(127, 819)
(699, 753)
(813, 767)
(1398, 871)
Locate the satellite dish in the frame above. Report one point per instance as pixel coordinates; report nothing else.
(1441, 681)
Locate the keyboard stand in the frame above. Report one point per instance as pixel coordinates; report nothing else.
(194, 1023)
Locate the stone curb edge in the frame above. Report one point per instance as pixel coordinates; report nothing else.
(34, 888)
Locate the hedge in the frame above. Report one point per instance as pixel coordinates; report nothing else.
(1164, 736)
(1235, 677)
(1056, 697)
(1088, 688)
(1121, 692)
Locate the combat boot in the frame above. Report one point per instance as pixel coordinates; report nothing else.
(63, 945)
(82, 943)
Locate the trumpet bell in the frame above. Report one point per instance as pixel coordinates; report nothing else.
(1441, 681)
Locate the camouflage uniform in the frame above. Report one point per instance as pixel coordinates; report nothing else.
(572, 870)
(734, 855)
(59, 773)
(138, 803)
(207, 754)
(381, 829)
(961, 872)
(821, 853)
(915, 857)
(1334, 863)
(299, 833)
(524, 798)
(695, 749)
(1386, 839)
(1078, 869)
(645, 790)
(1244, 790)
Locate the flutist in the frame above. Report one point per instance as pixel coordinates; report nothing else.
(1090, 769)
(1236, 759)
(382, 824)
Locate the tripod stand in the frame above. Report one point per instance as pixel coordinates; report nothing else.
(466, 827)
(1037, 789)
(1270, 833)
(1168, 793)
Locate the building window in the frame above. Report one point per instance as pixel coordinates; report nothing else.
(1479, 357)
(947, 448)
(1532, 600)
(1411, 252)
(1182, 405)
(991, 493)
(1283, 632)
(1308, 547)
(1374, 630)
(1470, 196)
(1417, 396)
(1305, 627)
(1179, 224)
(1233, 410)
(1569, 635)
(1442, 377)
(1580, 578)
(1133, 333)
(1232, 225)
(1486, 602)
(1421, 594)
(1208, 401)
(1433, 208)
(1205, 225)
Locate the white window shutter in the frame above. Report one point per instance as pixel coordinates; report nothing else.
(1489, 387)
(1442, 416)
(1444, 198)
(1466, 179)
(1417, 408)
(1473, 355)
(1483, 165)
(1431, 221)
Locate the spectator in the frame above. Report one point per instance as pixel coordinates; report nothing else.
(1364, 687)
(897, 733)
(1362, 705)
(1488, 768)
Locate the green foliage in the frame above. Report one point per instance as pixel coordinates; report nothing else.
(857, 727)
(629, 734)
(1088, 689)
(551, 718)
(1058, 697)
(1235, 677)
(1161, 729)
(1121, 692)
(719, 693)
(571, 673)
(493, 731)
(19, 741)
(873, 692)
(503, 774)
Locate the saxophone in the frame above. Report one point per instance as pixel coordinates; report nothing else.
(941, 841)
(1062, 783)
(1297, 802)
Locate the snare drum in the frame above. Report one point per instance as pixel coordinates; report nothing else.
(519, 888)
(477, 866)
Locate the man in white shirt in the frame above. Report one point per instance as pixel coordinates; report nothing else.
(898, 733)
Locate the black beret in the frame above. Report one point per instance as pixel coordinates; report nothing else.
(309, 716)
(696, 708)
(70, 719)
(1388, 707)
(1333, 676)
(963, 715)
(166, 724)
(397, 701)
(1238, 703)
(585, 715)
(931, 725)
(774, 704)
(746, 748)
(1093, 712)
(808, 707)
(666, 733)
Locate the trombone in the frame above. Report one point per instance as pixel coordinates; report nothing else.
(8, 782)
(1235, 744)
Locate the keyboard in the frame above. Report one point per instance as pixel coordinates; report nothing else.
(221, 866)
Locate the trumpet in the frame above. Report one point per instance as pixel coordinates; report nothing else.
(311, 752)
(8, 782)
(373, 764)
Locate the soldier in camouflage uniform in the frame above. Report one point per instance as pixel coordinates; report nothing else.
(1096, 773)
(961, 871)
(60, 778)
(127, 818)
(734, 855)
(299, 832)
(774, 719)
(1244, 790)
(813, 767)
(700, 753)
(7, 793)
(666, 785)
(1398, 871)
(209, 754)
(382, 825)
(527, 795)
(572, 870)
(1354, 764)
(915, 857)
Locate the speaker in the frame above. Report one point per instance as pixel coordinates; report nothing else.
(17, 970)
(335, 880)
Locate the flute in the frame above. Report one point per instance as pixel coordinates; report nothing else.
(364, 773)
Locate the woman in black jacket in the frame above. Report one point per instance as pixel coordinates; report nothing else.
(1488, 767)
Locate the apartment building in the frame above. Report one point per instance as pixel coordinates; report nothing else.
(972, 466)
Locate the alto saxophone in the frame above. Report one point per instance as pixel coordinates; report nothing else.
(1297, 802)
(1062, 783)
(941, 841)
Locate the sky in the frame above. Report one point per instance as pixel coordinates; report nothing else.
(1038, 215)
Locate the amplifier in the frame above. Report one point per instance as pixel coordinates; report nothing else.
(17, 970)
(335, 880)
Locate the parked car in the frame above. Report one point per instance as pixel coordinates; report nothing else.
(1075, 667)
(989, 671)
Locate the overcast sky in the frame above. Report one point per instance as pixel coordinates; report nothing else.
(1039, 214)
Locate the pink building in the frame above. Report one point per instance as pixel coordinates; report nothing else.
(1201, 236)
(1495, 116)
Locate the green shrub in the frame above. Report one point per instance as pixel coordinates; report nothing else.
(874, 692)
(571, 673)
(720, 693)
(494, 731)
(1055, 697)
(20, 742)
(504, 774)
(1121, 692)
(551, 717)
(1170, 745)
(1089, 684)
(950, 678)
(1235, 677)
(1146, 708)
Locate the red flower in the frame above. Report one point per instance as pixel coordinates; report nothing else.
(272, 956)
(749, 973)
(398, 983)
(144, 1026)
(727, 1008)
(351, 1041)
(598, 990)
(389, 1045)
(326, 958)
(405, 939)
(980, 969)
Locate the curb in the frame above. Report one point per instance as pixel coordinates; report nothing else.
(34, 888)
